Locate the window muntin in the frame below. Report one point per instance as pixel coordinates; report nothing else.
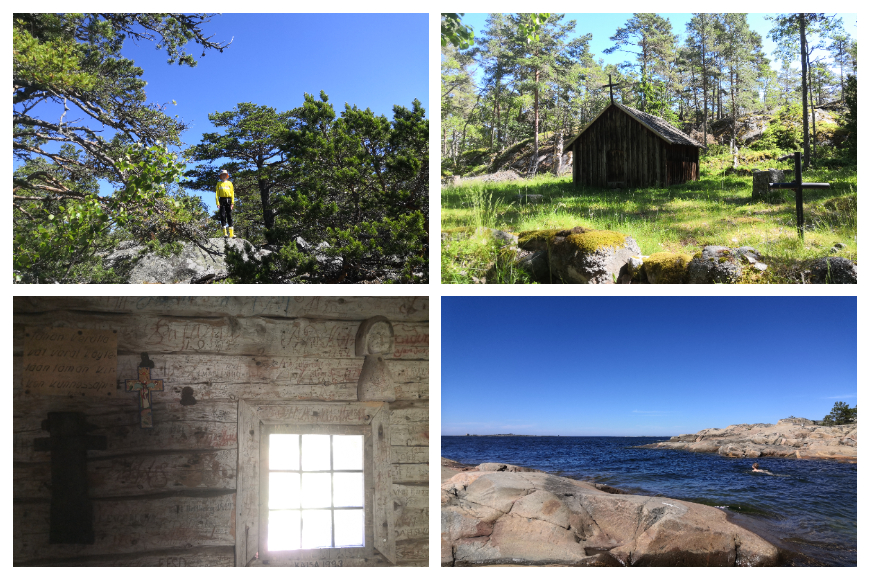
(316, 491)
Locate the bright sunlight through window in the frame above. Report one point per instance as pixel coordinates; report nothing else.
(316, 491)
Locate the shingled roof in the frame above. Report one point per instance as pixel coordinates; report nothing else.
(655, 124)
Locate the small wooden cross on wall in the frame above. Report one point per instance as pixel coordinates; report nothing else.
(611, 85)
(144, 386)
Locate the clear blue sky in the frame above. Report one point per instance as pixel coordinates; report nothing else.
(373, 61)
(642, 365)
(603, 26)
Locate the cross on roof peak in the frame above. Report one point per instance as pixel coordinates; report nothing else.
(611, 85)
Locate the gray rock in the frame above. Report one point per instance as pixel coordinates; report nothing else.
(602, 266)
(833, 271)
(535, 264)
(504, 237)
(761, 181)
(192, 263)
(716, 265)
(840, 246)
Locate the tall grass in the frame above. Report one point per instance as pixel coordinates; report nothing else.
(715, 210)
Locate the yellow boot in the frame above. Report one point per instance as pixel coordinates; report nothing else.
(225, 231)
(231, 233)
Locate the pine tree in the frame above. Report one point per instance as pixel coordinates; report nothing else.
(251, 140)
(72, 63)
(355, 207)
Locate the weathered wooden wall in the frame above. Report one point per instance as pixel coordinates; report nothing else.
(647, 159)
(166, 496)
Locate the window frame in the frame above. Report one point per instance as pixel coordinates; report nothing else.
(255, 420)
(366, 550)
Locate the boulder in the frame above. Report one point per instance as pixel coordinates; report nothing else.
(833, 270)
(714, 265)
(761, 181)
(582, 256)
(193, 263)
(506, 515)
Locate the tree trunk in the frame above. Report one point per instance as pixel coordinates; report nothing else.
(813, 111)
(733, 118)
(557, 154)
(803, 29)
(704, 72)
(533, 169)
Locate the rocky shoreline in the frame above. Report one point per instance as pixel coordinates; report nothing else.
(792, 438)
(497, 514)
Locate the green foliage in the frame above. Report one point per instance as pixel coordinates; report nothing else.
(358, 200)
(841, 414)
(851, 117)
(61, 225)
(251, 140)
(454, 32)
(54, 240)
(529, 26)
(784, 132)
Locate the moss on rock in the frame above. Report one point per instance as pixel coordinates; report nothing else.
(536, 239)
(593, 240)
(666, 268)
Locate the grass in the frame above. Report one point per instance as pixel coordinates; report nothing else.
(715, 210)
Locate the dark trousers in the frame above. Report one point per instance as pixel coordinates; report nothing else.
(226, 211)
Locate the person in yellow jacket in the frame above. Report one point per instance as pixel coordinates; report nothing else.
(224, 197)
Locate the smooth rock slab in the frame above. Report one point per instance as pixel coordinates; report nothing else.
(508, 516)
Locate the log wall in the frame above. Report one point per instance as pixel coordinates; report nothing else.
(647, 160)
(166, 496)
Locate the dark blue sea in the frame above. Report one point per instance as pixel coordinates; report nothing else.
(807, 507)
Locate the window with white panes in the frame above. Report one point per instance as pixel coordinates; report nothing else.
(315, 490)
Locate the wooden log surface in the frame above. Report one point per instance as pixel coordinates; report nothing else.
(396, 309)
(412, 550)
(238, 377)
(410, 473)
(129, 526)
(180, 558)
(410, 435)
(137, 474)
(256, 336)
(409, 455)
(202, 426)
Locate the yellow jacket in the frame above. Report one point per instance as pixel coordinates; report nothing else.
(224, 189)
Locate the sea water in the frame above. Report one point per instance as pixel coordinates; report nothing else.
(807, 507)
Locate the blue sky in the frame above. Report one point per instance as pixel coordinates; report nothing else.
(603, 26)
(644, 365)
(373, 61)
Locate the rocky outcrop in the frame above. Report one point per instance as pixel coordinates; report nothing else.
(790, 438)
(193, 264)
(721, 265)
(499, 514)
(834, 270)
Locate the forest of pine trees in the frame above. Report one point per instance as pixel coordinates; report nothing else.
(508, 86)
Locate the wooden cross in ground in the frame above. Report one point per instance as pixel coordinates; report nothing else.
(611, 85)
(144, 386)
(799, 186)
